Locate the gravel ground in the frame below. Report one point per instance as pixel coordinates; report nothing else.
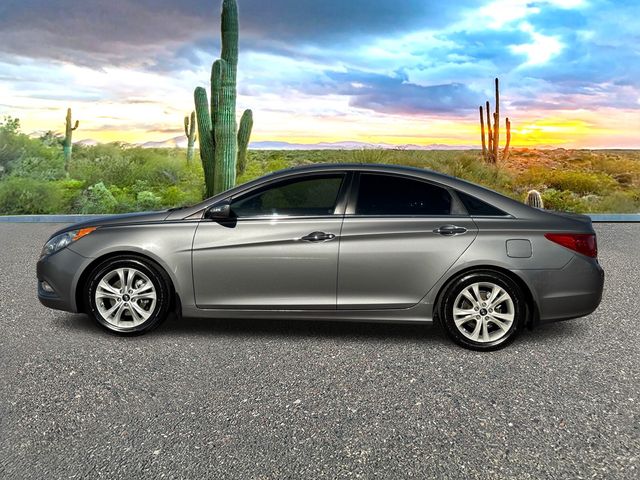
(282, 399)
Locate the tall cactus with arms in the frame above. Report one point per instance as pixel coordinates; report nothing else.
(190, 132)
(217, 129)
(68, 134)
(491, 143)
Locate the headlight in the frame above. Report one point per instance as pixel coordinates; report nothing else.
(60, 241)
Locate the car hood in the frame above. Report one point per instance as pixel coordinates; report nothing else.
(112, 220)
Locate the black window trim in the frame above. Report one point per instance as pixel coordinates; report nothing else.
(353, 197)
(338, 211)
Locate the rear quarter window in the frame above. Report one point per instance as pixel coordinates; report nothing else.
(477, 207)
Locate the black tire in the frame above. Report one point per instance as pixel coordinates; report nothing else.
(153, 272)
(455, 288)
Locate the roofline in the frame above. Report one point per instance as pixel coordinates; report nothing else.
(509, 205)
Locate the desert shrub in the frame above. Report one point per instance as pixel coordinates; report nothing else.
(71, 194)
(98, 199)
(47, 166)
(126, 199)
(21, 196)
(27, 157)
(156, 166)
(618, 202)
(173, 196)
(370, 155)
(148, 201)
(625, 171)
(579, 182)
(562, 200)
(258, 168)
(105, 164)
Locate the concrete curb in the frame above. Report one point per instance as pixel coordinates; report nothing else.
(615, 218)
(596, 218)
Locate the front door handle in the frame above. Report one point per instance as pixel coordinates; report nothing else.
(450, 230)
(318, 237)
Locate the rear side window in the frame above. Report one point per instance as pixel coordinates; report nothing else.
(391, 195)
(309, 196)
(477, 207)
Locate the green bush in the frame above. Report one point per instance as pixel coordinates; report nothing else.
(579, 182)
(619, 202)
(173, 196)
(98, 199)
(45, 167)
(71, 195)
(27, 157)
(23, 196)
(147, 201)
(103, 163)
(562, 200)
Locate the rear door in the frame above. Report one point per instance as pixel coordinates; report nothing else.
(279, 252)
(399, 236)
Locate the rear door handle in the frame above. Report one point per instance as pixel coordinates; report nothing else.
(318, 237)
(450, 230)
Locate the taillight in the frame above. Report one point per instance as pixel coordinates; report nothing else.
(584, 243)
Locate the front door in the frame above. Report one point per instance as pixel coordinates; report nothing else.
(398, 240)
(279, 252)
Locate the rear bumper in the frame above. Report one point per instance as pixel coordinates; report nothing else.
(571, 292)
(61, 271)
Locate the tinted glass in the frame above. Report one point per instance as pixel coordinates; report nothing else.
(477, 207)
(390, 195)
(297, 197)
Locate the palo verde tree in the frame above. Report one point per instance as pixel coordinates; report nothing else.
(217, 126)
(491, 142)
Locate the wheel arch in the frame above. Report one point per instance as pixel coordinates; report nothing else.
(530, 302)
(82, 279)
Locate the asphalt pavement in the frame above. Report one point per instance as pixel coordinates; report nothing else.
(208, 399)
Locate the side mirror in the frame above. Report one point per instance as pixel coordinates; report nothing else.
(219, 211)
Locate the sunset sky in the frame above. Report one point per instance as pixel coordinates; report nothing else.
(399, 72)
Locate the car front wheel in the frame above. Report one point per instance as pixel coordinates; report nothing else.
(483, 310)
(127, 295)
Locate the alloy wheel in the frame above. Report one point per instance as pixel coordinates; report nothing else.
(484, 312)
(125, 297)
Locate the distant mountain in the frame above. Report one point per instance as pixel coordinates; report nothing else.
(175, 142)
(87, 142)
(352, 145)
(181, 142)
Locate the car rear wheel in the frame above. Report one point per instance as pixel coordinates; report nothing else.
(128, 295)
(483, 310)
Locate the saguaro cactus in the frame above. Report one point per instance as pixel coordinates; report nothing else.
(244, 132)
(491, 144)
(219, 136)
(190, 132)
(534, 199)
(68, 137)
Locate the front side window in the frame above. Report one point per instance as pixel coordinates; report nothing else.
(309, 196)
(392, 195)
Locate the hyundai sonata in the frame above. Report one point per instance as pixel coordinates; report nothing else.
(333, 242)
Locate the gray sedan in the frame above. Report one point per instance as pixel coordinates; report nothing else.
(333, 242)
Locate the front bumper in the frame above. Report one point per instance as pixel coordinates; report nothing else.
(571, 292)
(61, 271)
